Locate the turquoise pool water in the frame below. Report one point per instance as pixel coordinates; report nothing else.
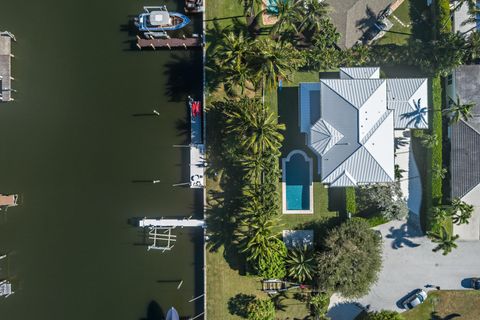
(272, 6)
(297, 184)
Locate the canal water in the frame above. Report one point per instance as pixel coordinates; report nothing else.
(74, 145)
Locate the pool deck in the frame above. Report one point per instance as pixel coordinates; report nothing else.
(6, 66)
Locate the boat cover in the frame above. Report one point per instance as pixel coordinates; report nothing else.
(158, 18)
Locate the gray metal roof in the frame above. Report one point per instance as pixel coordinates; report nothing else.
(350, 124)
(465, 137)
(409, 100)
(360, 73)
(465, 155)
(309, 105)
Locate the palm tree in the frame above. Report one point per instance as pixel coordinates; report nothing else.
(256, 126)
(231, 55)
(314, 15)
(461, 211)
(458, 111)
(429, 140)
(256, 236)
(473, 46)
(301, 263)
(438, 171)
(274, 60)
(444, 240)
(290, 16)
(440, 214)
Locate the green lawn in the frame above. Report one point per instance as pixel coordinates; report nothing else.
(224, 12)
(399, 34)
(446, 304)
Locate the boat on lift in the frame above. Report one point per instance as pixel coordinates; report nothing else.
(172, 314)
(155, 19)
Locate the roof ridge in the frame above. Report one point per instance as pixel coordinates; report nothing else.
(379, 81)
(375, 160)
(376, 126)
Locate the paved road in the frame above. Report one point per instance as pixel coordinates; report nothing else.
(409, 263)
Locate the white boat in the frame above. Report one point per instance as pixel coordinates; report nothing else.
(172, 314)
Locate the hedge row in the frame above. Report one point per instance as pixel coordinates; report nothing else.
(350, 200)
(442, 16)
(436, 151)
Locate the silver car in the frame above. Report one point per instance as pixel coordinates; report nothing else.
(414, 299)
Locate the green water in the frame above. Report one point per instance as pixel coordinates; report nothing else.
(71, 147)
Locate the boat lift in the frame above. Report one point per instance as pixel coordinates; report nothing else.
(160, 231)
(5, 289)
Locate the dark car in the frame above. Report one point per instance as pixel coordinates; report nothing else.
(475, 283)
(414, 299)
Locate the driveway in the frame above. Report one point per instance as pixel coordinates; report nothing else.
(409, 263)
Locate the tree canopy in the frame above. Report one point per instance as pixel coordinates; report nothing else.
(351, 259)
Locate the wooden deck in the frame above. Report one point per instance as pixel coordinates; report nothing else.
(5, 67)
(172, 43)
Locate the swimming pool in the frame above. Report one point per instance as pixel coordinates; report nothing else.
(272, 6)
(297, 191)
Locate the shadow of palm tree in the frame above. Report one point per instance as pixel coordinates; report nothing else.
(184, 75)
(400, 237)
(368, 21)
(434, 316)
(238, 304)
(416, 117)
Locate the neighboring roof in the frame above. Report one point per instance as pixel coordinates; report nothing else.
(353, 17)
(465, 155)
(350, 124)
(360, 73)
(465, 136)
(459, 16)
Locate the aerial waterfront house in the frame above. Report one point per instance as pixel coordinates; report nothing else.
(350, 123)
(465, 147)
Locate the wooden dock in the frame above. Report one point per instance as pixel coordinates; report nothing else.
(6, 66)
(172, 43)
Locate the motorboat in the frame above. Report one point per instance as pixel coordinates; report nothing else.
(159, 19)
(172, 314)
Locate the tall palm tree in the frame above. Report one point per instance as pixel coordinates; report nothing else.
(440, 214)
(257, 126)
(444, 240)
(459, 111)
(257, 237)
(473, 45)
(231, 56)
(274, 60)
(314, 15)
(290, 16)
(301, 264)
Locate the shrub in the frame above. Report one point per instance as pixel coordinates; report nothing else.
(383, 315)
(260, 309)
(351, 260)
(319, 305)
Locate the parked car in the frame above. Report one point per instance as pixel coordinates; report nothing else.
(476, 283)
(414, 299)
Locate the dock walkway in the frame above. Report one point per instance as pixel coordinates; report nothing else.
(197, 148)
(171, 223)
(6, 66)
(171, 43)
